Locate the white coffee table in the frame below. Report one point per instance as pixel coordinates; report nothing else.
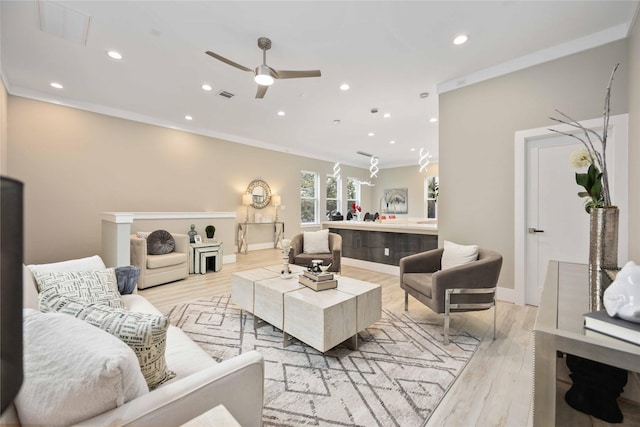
(321, 319)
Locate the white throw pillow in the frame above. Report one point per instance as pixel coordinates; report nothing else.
(93, 286)
(73, 371)
(315, 242)
(455, 254)
(145, 333)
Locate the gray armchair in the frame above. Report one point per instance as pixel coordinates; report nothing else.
(466, 287)
(298, 257)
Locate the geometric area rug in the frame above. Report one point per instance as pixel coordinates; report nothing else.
(397, 377)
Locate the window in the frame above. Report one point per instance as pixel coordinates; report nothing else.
(353, 193)
(333, 201)
(431, 192)
(308, 197)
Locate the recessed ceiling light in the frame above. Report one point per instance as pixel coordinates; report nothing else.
(371, 134)
(188, 118)
(433, 119)
(206, 87)
(344, 86)
(412, 149)
(424, 95)
(461, 39)
(336, 122)
(386, 115)
(114, 54)
(281, 113)
(56, 85)
(392, 142)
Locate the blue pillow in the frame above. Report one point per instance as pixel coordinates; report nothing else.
(127, 278)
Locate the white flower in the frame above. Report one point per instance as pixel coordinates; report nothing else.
(580, 158)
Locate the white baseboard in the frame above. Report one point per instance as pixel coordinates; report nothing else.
(506, 294)
(368, 265)
(229, 259)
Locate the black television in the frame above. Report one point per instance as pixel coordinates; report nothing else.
(11, 257)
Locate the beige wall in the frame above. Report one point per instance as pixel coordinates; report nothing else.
(76, 164)
(634, 143)
(477, 125)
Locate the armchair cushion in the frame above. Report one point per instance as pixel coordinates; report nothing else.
(73, 371)
(316, 242)
(166, 260)
(160, 242)
(455, 254)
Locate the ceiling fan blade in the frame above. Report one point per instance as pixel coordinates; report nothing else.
(262, 90)
(288, 74)
(228, 61)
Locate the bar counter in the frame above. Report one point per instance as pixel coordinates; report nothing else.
(384, 242)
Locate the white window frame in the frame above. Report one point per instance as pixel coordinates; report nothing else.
(428, 197)
(356, 184)
(316, 199)
(338, 198)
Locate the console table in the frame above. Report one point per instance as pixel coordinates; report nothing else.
(243, 233)
(201, 252)
(560, 327)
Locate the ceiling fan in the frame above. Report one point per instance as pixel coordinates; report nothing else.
(265, 75)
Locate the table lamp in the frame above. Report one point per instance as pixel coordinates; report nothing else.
(246, 200)
(277, 201)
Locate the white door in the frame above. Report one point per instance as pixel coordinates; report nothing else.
(557, 224)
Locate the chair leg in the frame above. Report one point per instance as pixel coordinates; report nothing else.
(447, 309)
(406, 301)
(495, 309)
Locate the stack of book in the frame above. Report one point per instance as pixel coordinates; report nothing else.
(318, 281)
(600, 321)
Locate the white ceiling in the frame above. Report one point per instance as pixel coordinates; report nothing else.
(387, 51)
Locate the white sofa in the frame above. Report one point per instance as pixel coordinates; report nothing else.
(200, 383)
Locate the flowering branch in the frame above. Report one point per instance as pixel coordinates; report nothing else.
(598, 159)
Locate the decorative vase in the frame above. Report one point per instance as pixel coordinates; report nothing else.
(603, 252)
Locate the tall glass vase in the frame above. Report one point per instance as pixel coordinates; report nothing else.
(603, 252)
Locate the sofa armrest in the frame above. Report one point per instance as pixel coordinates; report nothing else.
(296, 248)
(237, 383)
(424, 262)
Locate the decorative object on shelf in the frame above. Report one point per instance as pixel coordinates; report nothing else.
(246, 200)
(395, 201)
(604, 217)
(622, 297)
(192, 232)
(276, 200)
(260, 193)
(356, 210)
(210, 230)
(286, 247)
(197, 238)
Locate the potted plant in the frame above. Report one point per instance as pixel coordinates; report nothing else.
(210, 230)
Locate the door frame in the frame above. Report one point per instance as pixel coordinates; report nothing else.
(617, 156)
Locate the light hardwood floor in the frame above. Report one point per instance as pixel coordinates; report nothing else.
(493, 390)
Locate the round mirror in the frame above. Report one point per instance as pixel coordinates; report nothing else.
(260, 193)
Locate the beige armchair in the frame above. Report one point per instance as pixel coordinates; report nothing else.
(160, 269)
(298, 257)
(466, 287)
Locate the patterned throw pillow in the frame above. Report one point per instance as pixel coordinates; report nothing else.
(145, 333)
(93, 286)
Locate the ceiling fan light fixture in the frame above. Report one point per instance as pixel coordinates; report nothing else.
(263, 76)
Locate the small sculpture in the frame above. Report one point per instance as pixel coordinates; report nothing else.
(622, 297)
(192, 234)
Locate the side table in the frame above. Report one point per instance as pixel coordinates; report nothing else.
(201, 252)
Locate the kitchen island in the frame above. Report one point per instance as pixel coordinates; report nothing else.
(384, 242)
